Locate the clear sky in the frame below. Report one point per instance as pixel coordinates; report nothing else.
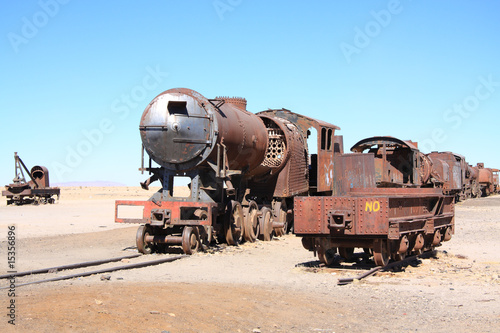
(77, 75)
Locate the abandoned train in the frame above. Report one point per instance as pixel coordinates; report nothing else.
(400, 163)
(36, 191)
(252, 175)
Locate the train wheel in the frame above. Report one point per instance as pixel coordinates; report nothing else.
(404, 244)
(447, 234)
(282, 218)
(347, 253)
(234, 224)
(143, 246)
(190, 242)
(437, 238)
(419, 243)
(266, 224)
(326, 257)
(380, 252)
(252, 229)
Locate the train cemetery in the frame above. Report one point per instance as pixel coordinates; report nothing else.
(254, 287)
(396, 239)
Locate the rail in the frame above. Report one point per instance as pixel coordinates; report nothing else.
(87, 264)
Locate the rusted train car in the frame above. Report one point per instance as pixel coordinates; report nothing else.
(384, 208)
(35, 191)
(252, 175)
(488, 180)
(450, 172)
(399, 163)
(496, 180)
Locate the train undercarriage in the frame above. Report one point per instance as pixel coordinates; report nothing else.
(389, 223)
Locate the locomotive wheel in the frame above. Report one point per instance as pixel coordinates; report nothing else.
(404, 244)
(346, 253)
(447, 234)
(437, 238)
(326, 257)
(252, 229)
(234, 223)
(419, 243)
(266, 224)
(380, 253)
(142, 245)
(282, 218)
(190, 242)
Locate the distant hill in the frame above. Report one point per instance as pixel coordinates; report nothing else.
(89, 184)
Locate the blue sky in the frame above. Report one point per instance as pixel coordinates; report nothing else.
(77, 75)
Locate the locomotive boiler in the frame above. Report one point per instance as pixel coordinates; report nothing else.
(243, 170)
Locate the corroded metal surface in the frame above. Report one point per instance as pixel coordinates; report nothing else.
(397, 163)
(451, 170)
(35, 191)
(254, 175)
(383, 219)
(192, 126)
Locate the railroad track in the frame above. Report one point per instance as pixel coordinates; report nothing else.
(87, 273)
(390, 266)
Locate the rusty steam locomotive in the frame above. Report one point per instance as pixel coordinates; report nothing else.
(252, 175)
(244, 171)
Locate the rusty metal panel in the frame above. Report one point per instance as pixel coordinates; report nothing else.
(366, 216)
(325, 159)
(41, 176)
(293, 179)
(354, 170)
(309, 216)
(372, 216)
(396, 192)
(450, 168)
(397, 162)
(325, 144)
(485, 176)
(175, 209)
(340, 214)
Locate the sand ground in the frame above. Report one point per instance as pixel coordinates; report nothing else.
(272, 286)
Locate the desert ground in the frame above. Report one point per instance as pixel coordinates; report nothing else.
(274, 286)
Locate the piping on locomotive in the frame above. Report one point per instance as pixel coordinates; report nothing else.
(252, 176)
